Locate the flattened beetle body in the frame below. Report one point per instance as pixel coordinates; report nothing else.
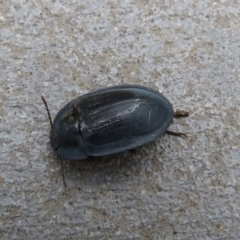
(109, 121)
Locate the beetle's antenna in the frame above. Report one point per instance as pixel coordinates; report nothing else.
(50, 120)
(63, 176)
(49, 116)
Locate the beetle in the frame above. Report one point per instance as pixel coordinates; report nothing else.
(109, 121)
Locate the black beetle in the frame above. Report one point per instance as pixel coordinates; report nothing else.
(110, 120)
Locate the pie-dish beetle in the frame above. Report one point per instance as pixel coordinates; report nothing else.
(109, 121)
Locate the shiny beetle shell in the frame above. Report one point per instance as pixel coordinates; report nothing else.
(110, 120)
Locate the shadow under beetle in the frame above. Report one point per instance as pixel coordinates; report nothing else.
(109, 121)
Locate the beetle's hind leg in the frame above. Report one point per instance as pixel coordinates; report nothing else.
(178, 134)
(178, 114)
(181, 113)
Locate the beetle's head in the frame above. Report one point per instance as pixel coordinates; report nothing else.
(67, 142)
(66, 137)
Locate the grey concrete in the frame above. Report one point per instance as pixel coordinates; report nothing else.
(170, 189)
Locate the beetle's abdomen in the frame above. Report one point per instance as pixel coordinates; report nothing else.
(129, 118)
(133, 118)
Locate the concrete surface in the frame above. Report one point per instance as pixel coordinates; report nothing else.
(170, 189)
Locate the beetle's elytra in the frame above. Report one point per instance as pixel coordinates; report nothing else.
(110, 120)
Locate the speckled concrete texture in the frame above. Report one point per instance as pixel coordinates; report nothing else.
(169, 189)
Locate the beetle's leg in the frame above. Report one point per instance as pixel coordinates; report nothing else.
(178, 134)
(178, 114)
(181, 113)
(63, 176)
